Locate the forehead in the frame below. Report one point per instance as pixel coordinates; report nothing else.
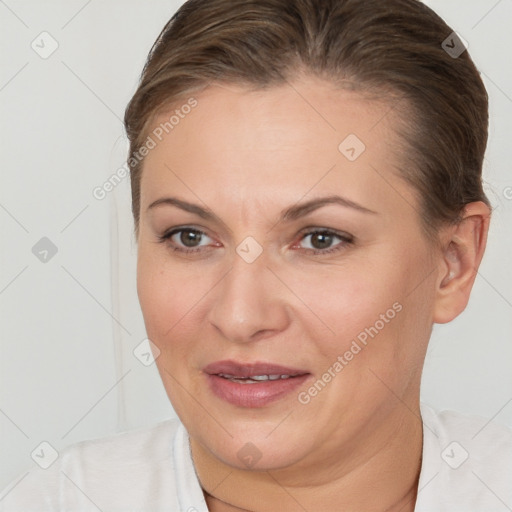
(278, 143)
(310, 111)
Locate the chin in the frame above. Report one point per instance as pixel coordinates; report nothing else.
(257, 456)
(255, 447)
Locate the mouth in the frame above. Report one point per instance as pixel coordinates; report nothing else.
(253, 379)
(253, 385)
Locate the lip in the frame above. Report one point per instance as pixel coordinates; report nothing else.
(252, 395)
(244, 370)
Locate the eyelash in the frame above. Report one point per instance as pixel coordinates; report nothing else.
(345, 238)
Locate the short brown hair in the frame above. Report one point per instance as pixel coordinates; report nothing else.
(392, 48)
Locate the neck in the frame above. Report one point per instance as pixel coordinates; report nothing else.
(379, 473)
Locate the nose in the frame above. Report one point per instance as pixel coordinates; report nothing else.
(249, 303)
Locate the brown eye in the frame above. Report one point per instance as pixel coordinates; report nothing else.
(184, 239)
(321, 241)
(190, 237)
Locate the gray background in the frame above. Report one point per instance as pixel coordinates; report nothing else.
(69, 324)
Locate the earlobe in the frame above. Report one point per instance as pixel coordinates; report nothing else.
(460, 259)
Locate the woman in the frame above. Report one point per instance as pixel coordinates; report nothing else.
(307, 197)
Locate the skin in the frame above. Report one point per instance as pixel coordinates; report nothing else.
(246, 155)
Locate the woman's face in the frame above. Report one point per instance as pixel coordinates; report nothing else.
(342, 316)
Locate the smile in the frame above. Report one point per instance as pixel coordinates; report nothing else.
(252, 385)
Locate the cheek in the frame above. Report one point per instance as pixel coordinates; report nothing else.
(165, 294)
(345, 300)
(376, 313)
(167, 313)
(167, 300)
(381, 331)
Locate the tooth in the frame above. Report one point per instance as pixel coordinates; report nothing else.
(253, 378)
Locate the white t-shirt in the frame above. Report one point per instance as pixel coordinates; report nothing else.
(467, 467)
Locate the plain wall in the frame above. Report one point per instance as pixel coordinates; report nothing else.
(69, 324)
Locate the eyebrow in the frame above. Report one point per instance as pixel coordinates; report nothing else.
(289, 214)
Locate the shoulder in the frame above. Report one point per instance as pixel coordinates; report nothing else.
(147, 445)
(482, 438)
(467, 462)
(102, 473)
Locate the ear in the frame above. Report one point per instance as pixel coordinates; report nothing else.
(462, 250)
